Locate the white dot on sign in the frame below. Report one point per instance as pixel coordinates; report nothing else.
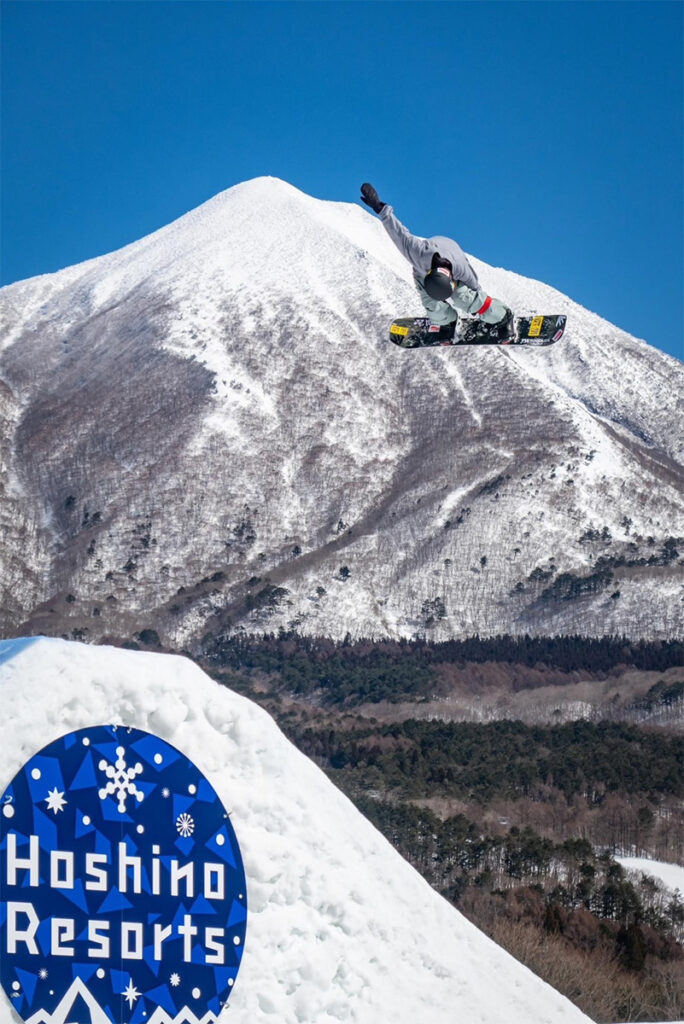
(35, 774)
(16, 986)
(86, 741)
(236, 940)
(8, 811)
(101, 973)
(231, 982)
(196, 993)
(192, 789)
(52, 991)
(86, 819)
(158, 759)
(140, 829)
(220, 839)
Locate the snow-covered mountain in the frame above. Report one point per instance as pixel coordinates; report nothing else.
(209, 430)
(340, 927)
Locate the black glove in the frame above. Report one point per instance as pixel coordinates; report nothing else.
(370, 197)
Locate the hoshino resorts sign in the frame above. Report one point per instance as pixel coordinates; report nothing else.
(122, 890)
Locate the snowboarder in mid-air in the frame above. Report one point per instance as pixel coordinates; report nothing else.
(445, 280)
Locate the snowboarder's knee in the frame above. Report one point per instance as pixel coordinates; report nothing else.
(495, 312)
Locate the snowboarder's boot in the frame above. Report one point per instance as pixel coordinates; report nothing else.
(504, 330)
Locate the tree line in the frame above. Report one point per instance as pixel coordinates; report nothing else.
(503, 759)
(352, 672)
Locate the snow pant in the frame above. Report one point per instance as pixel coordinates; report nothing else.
(464, 300)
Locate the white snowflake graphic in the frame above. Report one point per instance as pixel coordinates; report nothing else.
(130, 993)
(185, 826)
(55, 801)
(42, 973)
(121, 780)
(175, 980)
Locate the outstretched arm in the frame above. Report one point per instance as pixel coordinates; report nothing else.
(416, 250)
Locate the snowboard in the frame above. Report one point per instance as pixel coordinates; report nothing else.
(419, 332)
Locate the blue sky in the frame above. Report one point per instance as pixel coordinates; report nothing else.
(546, 137)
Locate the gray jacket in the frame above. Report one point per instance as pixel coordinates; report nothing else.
(468, 296)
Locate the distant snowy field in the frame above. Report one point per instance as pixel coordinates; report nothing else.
(340, 927)
(671, 875)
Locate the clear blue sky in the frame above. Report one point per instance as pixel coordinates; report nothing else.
(546, 137)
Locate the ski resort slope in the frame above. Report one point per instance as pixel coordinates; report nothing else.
(340, 927)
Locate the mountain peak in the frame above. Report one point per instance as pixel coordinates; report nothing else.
(219, 402)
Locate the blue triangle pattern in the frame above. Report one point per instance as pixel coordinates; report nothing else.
(45, 829)
(28, 983)
(114, 901)
(238, 914)
(82, 829)
(83, 971)
(202, 906)
(50, 777)
(224, 851)
(151, 745)
(85, 777)
(76, 895)
(110, 811)
(181, 804)
(154, 965)
(120, 980)
(103, 845)
(139, 1012)
(162, 997)
(205, 792)
(44, 936)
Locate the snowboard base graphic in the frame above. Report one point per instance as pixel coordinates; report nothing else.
(419, 332)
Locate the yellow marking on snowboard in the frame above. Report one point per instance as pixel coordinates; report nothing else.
(535, 327)
(396, 329)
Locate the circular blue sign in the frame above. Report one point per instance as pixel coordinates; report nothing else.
(122, 890)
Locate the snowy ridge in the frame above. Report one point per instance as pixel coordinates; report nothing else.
(341, 928)
(218, 404)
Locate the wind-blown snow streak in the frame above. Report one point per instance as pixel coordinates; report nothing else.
(185, 449)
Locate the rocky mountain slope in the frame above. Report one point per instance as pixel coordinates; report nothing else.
(208, 431)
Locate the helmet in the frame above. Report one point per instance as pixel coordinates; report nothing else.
(439, 283)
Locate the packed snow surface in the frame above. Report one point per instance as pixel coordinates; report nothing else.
(671, 875)
(340, 927)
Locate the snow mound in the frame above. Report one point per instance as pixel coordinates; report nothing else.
(341, 928)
